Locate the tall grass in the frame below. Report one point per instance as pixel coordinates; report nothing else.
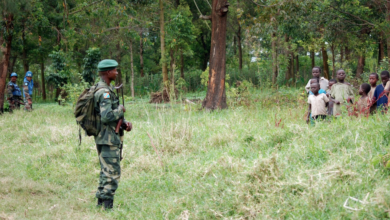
(234, 164)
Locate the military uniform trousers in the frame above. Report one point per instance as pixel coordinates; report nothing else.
(16, 105)
(110, 171)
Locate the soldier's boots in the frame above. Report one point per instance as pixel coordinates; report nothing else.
(99, 202)
(108, 204)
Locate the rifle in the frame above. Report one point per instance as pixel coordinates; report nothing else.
(16, 101)
(118, 128)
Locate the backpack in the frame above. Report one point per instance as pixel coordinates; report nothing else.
(85, 113)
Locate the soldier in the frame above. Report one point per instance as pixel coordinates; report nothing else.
(14, 93)
(28, 85)
(108, 141)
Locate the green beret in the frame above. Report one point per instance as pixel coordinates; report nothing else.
(106, 65)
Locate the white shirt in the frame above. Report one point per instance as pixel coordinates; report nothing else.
(318, 104)
(324, 83)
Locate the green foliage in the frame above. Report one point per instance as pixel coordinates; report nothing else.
(181, 86)
(241, 94)
(73, 90)
(205, 77)
(62, 74)
(91, 61)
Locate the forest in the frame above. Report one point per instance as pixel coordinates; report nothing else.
(268, 44)
(215, 91)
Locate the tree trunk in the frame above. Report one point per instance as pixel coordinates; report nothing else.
(333, 62)
(388, 21)
(181, 64)
(162, 39)
(12, 65)
(172, 66)
(360, 67)
(43, 79)
(381, 49)
(297, 66)
(234, 45)
(341, 55)
(347, 54)
(239, 47)
(274, 59)
(206, 55)
(132, 68)
(118, 59)
(292, 73)
(216, 96)
(312, 57)
(5, 54)
(24, 53)
(288, 55)
(325, 62)
(141, 54)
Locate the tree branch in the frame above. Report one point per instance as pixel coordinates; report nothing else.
(353, 16)
(266, 5)
(205, 17)
(74, 12)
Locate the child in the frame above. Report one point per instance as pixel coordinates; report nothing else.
(316, 72)
(373, 78)
(340, 92)
(316, 80)
(331, 103)
(380, 98)
(364, 101)
(317, 104)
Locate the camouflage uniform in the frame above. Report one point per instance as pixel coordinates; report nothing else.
(107, 141)
(26, 96)
(11, 90)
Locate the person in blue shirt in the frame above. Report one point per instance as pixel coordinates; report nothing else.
(14, 93)
(28, 85)
(380, 95)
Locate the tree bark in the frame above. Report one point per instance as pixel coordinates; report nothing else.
(297, 65)
(325, 62)
(141, 54)
(347, 53)
(43, 79)
(132, 68)
(216, 96)
(206, 55)
(12, 65)
(381, 49)
(388, 21)
(292, 72)
(172, 66)
(24, 53)
(360, 67)
(312, 57)
(118, 59)
(6, 52)
(234, 45)
(181, 64)
(162, 39)
(239, 47)
(274, 59)
(333, 62)
(289, 66)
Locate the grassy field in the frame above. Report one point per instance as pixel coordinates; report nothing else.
(231, 164)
